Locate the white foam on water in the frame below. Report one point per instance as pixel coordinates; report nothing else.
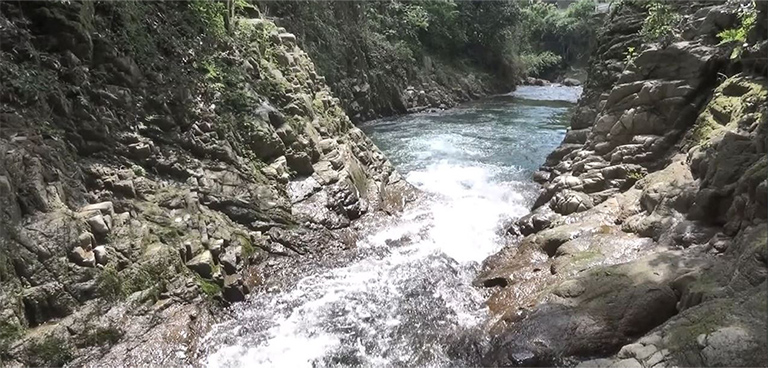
(398, 304)
(452, 233)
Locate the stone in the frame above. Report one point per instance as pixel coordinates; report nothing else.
(569, 201)
(719, 350)
(233, 288)
(570, 82)
(202, 264)
(569, 289)
(105, 208)
(82, 257)
(98, 225)
(638, 351)
(535, 222)
(541, 176)
(125, 187)
(628, 363)
(300, 162)
(327, 145)
(229, 259)
(287, 38)
(325, 173)
(100, 254)
(140, 150)
(45, 302)
(576, 136)
(86, 241)
(720, 242)
(216, 247)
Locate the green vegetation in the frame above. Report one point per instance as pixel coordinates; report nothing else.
(52, 351)
(209, 288)
(747, 20)
(138, 170)
(635, 175)
(630, 55)
(114, 285)
(110, 284)
(101, 336)
(8, 333)
(660, 24)
(245, 244)
(555, 38)
(508, 38)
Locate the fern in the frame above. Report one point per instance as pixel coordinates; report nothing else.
(747, 20)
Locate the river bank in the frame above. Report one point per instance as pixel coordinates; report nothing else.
(647, 244)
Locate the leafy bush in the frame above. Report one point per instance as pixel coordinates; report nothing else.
(110, 284)
(747, 20)
(660, 24)
(212, 13)
(547, 30)
(536, 63)
(52, 351)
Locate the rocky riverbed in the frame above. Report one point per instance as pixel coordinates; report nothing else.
(404, 295)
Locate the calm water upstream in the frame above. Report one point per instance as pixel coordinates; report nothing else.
(405, 305)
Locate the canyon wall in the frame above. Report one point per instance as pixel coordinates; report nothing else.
(156, 165)
(647, 244)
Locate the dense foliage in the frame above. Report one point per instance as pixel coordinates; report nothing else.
(509, 38)
(555, 38)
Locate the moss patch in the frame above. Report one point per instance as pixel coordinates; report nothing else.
(9, 332)
(209, 288)
(52, 351)
(101, 336)
(682, 335)
(734, 98)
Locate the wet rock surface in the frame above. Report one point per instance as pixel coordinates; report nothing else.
(646, 245)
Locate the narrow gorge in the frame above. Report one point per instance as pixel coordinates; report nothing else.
(302, 184)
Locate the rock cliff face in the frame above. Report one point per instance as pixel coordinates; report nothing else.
(152, 165)
(371, 77)
(647, 245)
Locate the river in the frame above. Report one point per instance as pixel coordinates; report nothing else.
(407, 298)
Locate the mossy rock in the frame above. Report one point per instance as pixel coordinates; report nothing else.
(51, 351)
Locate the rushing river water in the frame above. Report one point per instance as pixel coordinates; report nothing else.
(406, 305)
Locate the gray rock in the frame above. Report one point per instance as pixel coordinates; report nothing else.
(98, 225)
(202, 264)
(541, 176)
(229, 260)
(86, 241)
(570, 82)
(628, 363)
(300, 162)
(216, 247)
(287, 38)
(82, 257)
(100, 254)
(569, 201)
(105, 208)
(125, 187)
(140, 150)
(233, 288)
